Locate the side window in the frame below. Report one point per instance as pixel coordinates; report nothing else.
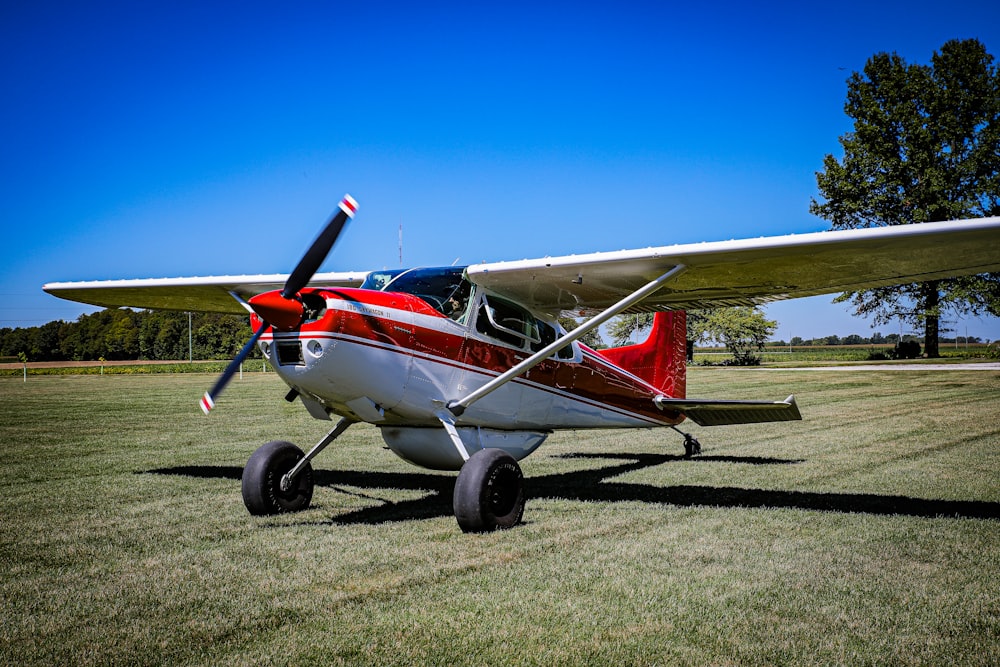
(547, 334)
(506, 322)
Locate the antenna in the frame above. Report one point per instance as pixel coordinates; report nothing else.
(401, 244)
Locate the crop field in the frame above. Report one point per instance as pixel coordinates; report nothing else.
(798, 355)
(867, 534)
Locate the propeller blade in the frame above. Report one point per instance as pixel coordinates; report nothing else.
(320, 248)
(208, 400)
(285, 312)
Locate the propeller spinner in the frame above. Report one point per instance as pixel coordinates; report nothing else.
(285, 311)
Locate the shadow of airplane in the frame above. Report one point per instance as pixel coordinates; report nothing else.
(591, 485)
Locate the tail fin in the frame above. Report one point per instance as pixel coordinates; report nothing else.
(661, 360)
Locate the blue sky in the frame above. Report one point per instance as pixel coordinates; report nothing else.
(175, 139)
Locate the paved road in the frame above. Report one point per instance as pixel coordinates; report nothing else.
(988, 366)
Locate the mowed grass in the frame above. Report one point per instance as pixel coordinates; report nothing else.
(869, 533)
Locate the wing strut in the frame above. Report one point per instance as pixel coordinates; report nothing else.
(458, 407)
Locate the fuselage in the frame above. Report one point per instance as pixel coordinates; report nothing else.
(395, 356)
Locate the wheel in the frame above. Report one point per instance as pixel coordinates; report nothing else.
(489, 492)
(262, 475)
(691, 446)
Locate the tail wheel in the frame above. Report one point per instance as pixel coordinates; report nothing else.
(489, 492)
(262, 492)
(691, 446)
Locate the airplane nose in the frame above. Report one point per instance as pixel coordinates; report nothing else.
(281, 313)
(285, 311)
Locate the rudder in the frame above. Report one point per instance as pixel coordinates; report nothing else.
(660, 360)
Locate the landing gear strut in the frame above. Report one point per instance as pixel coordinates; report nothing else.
(489, 492)
(278, 477)
(691, 445)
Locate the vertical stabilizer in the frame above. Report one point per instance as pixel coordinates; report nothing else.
(661, 360)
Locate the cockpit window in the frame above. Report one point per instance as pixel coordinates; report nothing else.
(508, 322)
(445, 289)
(377, 280)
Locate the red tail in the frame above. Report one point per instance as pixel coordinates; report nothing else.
(662, 359)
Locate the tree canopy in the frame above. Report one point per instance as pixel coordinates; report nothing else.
(925, 148)
(743, 330)
(592, 339)
(115, 334)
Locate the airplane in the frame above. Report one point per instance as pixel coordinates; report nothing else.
(468, 369)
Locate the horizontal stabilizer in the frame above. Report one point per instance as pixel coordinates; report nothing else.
(706, 412)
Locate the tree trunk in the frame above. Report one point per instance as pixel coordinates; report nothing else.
(932, 300)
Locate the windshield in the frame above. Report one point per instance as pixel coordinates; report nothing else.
(377, 280)
(445, 289)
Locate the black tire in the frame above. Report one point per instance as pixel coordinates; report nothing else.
(262, 475)
(489, 492)
(691, 447)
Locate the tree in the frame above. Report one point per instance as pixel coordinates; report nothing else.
(743, 330)
(170, 341)
(591, 339)
(623, 327)
(121, 340)
(925, 148)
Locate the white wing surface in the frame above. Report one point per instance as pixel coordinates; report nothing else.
(201, 294)
(751, 271)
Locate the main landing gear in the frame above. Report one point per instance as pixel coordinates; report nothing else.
(489, 491)
(278, 477)
(691, 445)
(263, 491)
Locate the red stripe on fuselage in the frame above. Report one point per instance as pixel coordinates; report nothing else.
(370, 317)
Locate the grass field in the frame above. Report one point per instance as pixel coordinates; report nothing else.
(867, 534)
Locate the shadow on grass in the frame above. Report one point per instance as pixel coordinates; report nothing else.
(591, 485)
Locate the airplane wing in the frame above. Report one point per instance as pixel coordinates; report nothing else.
(200, 294)
(751, 271)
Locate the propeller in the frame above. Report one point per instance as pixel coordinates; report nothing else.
(285, 311)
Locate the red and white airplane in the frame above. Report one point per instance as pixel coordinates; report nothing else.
(467, 368)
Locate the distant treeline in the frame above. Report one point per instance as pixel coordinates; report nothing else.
(121, 334)
(117, 334)
(874, 339)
